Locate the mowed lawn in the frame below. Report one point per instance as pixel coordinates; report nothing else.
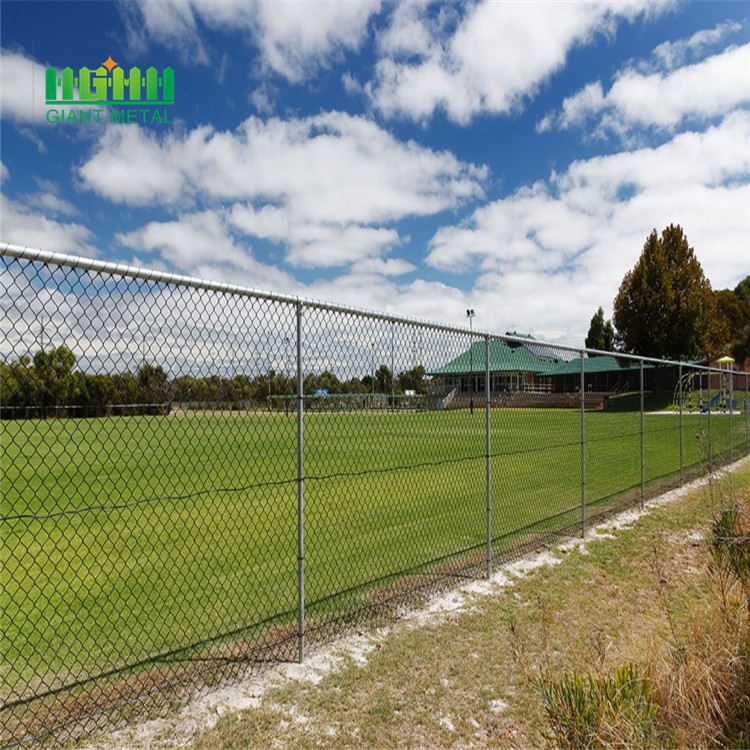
(131, 537)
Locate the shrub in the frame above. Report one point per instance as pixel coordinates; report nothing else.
(599, 710)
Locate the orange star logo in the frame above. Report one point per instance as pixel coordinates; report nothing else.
(109, 63)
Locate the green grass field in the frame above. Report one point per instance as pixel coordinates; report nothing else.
(126, 538)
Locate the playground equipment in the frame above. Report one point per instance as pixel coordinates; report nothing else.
(695, 387)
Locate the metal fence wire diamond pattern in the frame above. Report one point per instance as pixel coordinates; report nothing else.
(198, 479)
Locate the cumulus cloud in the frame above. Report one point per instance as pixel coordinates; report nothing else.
(671, 54)
(663, 100)
(328, 186)
(575, 235)
(22, 88)
(569, 238)
(313, 244)
(24, 226)
(488, 61)
(48, 199)
(201, 244)
(292, 42)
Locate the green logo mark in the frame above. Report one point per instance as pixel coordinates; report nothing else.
(107, 84)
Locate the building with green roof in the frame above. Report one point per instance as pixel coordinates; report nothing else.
(532, 368)
(603, 373)
(514, 366)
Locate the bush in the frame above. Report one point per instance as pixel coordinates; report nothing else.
(596, 711)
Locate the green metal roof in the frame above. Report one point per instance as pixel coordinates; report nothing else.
(504, 357)
(516, 357)
(591, 365)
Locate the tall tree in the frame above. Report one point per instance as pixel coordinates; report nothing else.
(734, 317)
(383, 378)
(665, 306)
(742, 290)
(53, 374)
(601, 334)
(413, 380)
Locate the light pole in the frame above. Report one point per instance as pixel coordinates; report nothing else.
(470, 316)
(373, 375)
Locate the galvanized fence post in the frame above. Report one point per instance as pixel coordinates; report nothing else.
(300, 494)
(583, 452)
(488, 447)
(731, 417)
(643, 452)
(682, 465)
(393, 374)
(710, 447)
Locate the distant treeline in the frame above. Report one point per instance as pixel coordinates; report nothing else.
(48, 384)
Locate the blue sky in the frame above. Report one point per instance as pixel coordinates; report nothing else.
(414, 157)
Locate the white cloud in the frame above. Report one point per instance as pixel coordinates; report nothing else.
(201, 244)
(4, 173)
(172, 23)
(22, 88)
(131, 165)
(707, 89)
(329, 167)
(262, 98)
(295, 39)
(23, 226)
(412, 30)
(324, 185)
(576, 109)
(49, 201)
(495, 57)
(573, 237)
(351, 85)
(313, 244)
(671, 54)
(384, 267)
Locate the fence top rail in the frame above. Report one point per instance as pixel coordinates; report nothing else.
(23, 252)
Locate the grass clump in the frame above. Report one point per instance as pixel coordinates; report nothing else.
(600, 710)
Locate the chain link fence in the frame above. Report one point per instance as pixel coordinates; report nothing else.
(197, 478)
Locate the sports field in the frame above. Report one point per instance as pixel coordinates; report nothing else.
(131, 537)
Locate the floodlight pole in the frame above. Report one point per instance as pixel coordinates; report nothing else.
(470, 315)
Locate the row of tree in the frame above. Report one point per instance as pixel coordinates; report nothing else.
(41, 385)
(665, 308)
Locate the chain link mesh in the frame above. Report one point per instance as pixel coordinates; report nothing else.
(184, 498)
